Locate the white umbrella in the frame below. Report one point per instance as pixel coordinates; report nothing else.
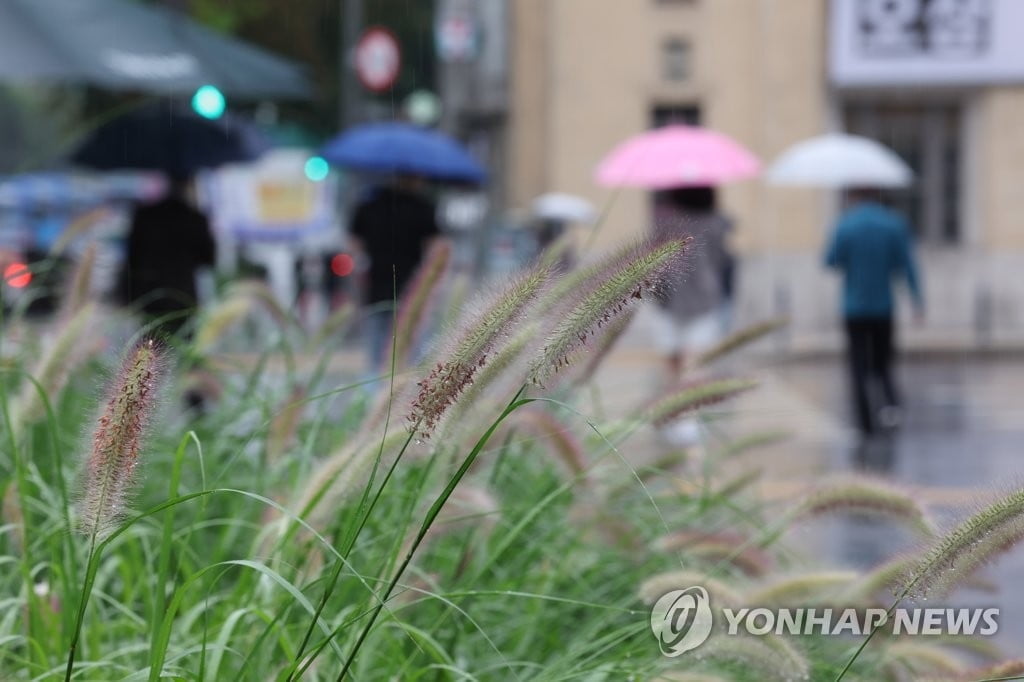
(840, 160)
(567, 207)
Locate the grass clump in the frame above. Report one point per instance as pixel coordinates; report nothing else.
(293, 526)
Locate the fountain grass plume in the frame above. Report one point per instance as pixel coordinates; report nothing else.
(471, 349)
(415, 307)
(741, 338)
(337, 321)
(691, 396)
(739, 483)
(918, 659)
(62, 352)
(565, 287)
(285, 423)
(718, 547)
(261, 293)
(690, 677)
(79, 289)
(750, 442)
(219, 319)
(720, 592)
(501, 360)
(772, 660)
(341, 474)
(978, 648)
(1006, 670)
(974, 543)
(558, 438)
(804, 589)
(864, 495)
(609, 293)
(117, 442)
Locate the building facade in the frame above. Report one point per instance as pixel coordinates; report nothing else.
(586, 74)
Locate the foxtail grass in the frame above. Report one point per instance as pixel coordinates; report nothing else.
(112, 464)
(739, 339)
(864, 495)
(471, 349)
(920, 659)
(415, 308)
(720, 548)
(804, 589)
(79, 288)
(769, 658)
(957, 555)
(974, 543)
(613, 289)
(111, 469)
(62, 353)
(557, 437)
(691, 396)
(721, 592)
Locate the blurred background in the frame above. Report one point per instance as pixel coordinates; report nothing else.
(539, 92)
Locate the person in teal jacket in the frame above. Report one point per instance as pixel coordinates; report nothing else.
(871, 247)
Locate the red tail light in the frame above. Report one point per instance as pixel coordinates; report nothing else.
(17, 275)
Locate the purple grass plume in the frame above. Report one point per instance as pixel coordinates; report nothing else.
(472, 349)
(110, 470)
(603, 297)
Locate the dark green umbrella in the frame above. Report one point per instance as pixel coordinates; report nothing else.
(123, 45)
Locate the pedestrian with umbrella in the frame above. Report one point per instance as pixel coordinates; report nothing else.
(395, 222)
(684, 164)
(170, 240)
(870, 246)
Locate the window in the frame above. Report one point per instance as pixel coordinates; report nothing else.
(675, 60)
(927, 137)
(667, 114)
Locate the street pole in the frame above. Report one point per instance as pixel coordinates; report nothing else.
(351, 18)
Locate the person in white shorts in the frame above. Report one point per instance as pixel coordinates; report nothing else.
(689, 318)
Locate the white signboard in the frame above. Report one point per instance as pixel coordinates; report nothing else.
(878, 43)
(271, 200)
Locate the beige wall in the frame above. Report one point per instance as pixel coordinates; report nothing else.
(587, 73)
(1000, 189)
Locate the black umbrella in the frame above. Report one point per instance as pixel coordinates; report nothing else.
(125, 45)
(170, 139)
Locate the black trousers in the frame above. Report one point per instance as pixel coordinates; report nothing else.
(869, 348)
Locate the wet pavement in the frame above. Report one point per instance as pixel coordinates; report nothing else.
(961, 444)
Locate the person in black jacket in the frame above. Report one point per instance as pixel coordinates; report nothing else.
(392, 228)
(168, 242)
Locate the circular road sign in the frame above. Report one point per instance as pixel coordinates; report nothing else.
(378, 59)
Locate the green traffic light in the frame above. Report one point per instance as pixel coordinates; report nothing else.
(316, 168)
(209, 102)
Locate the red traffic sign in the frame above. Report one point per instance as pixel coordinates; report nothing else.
(378, 59)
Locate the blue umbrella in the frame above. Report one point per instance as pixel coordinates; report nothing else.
(403, 148)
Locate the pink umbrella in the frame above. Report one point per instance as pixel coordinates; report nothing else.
(676, 156)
